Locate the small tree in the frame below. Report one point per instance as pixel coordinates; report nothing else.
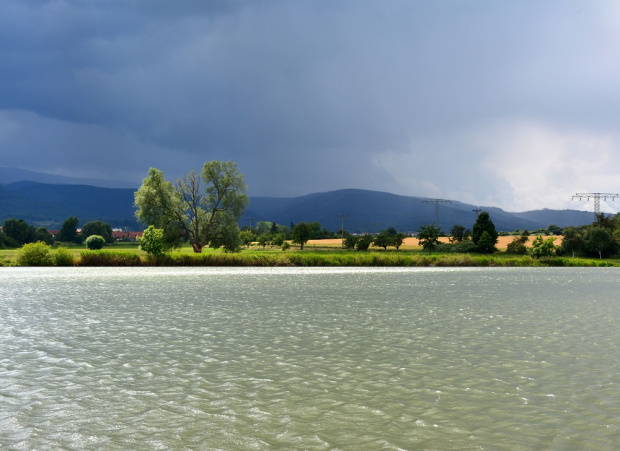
(278, 239)
(264, 239)
(384, 239)
(301, 234)
(363, 242)
(247, 237)
(543, 248)
(572, 241)
(95, 242)
(152, 241)
(517, 245)
(350, 241)
(398, 240)
(598, 239)
(68, 232)
(484, 224)
(428, 237)
(459, 233)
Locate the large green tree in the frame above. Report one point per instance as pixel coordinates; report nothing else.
(383, 239)
(572, 241)
(301, 233)
(202, 208)
(68, 232)
(599, 240)
(16, 229)
(459, 233)
(484, 224)
(428, 237)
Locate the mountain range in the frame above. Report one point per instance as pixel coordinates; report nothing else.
(361, 211)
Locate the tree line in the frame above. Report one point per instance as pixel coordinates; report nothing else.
(16, 233)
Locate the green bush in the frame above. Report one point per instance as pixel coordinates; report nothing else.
(461, 247)
(63, 257)
(286, 245)
(152, 241)
(34, 254)
(543, 248)
(95, 242)
(109, 258)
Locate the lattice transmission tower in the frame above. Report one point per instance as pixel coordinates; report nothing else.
(597, 199)
(437, 202)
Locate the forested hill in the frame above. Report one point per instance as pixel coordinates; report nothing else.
(373, 211)
(366, 211)
(50, 204)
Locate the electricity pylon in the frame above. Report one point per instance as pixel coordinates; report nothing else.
(342, 227)
(597, 200)
(437, 202)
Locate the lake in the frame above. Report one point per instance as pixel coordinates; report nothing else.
(310, 358)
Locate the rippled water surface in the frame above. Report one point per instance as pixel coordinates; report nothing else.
(160, 358)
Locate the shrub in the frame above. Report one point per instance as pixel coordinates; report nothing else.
(286, 245)
(109, 258)
(34, 254)
(465, 247)
(543, 248)
(63, 257)
(460, 247)
(152, 241)
(517, 248)
(95, 242)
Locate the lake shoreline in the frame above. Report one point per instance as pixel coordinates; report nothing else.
(332, 258)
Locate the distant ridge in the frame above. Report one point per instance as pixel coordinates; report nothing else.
(373, 211)
(366, 211)
(12, 175)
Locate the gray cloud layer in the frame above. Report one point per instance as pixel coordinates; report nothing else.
(514, 104)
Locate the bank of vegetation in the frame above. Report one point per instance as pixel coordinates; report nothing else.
(40, 254)
(195, 222)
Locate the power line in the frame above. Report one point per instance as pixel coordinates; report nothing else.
(342, 227)
(597, 200)
(437, 202)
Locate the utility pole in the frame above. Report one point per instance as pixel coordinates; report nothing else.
(437, 202)
(249, 219)
(342, 227)
(477, 211)
(597, 200)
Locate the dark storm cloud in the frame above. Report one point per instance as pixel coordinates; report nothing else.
(434, 98)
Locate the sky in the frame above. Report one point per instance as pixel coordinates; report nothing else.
(513, 104)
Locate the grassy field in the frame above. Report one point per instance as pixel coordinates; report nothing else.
(315, 253)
